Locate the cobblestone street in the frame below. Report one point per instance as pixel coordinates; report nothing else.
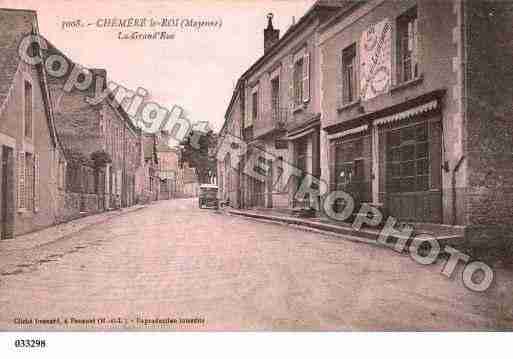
(173, 260)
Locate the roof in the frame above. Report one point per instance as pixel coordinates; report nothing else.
(318, 5)
(16, 24)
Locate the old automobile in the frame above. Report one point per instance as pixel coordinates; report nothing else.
(208, 196)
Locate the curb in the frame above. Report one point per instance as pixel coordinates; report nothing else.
(363, 235)
(30, 240)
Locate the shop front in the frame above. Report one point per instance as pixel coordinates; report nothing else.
(392, 159)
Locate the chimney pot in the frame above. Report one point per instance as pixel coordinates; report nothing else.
(271, 35)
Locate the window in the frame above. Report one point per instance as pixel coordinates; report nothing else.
(407, 43)
(408, 159)
(254, 104)
(28, 109)
(349, 74)
(29, 181)
(298, 82)
(62, 174)
(349, 164)
(275, 98)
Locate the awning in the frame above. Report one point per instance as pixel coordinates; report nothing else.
(351, 131)
(300, 134)
(407, 114)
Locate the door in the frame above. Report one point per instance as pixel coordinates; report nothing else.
(7, 193)
(353, 168)
(301, 149)
(413, 172)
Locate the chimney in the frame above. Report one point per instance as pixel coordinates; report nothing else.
(97, 74)
(271, 35)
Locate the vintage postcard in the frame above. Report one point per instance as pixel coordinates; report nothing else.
(276, 165)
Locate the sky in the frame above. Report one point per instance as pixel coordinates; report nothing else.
(197, 70)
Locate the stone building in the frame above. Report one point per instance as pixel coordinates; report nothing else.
(88, 131)
(32, 158)
(416, 102)
(405, 105)
(147, 176)
(168, 163)
(230, 175)
(280, 96)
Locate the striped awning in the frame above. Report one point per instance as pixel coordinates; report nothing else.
(407, 114)
(300, 134)
(351, 131)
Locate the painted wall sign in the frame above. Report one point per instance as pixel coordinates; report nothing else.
(376, 60)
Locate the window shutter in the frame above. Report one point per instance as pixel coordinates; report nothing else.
(340, 81)
(21, 180)
(36, 182)
(247, 108)
(291, 83)
(306, 78)
(415, 41)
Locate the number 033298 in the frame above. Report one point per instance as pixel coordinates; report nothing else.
(30, 343)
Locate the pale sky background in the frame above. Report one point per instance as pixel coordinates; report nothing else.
(197, 70)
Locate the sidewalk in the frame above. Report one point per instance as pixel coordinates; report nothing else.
(22, 248)
(443, 233)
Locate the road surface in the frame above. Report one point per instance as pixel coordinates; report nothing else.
(172, 266)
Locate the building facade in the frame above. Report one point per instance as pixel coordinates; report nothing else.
(147, 180)
(282, 110)
(88, 131)
(32, 158)
(408, 118)
(390, 102)
(229, 175)
(168, 163)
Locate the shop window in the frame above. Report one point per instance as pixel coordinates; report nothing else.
(408, 159)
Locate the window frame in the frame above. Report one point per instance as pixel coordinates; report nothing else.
(254, 106)
(28, 109)
(407, 35)
(30, 182)
(298, 81)
(349, 74)
(275, 97)
(415, 159)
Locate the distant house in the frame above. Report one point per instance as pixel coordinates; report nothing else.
(168, 163)
(87, 130)
(147, 177)
(33, 162)
(228, 177)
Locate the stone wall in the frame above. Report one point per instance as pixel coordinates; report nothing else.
(489, 130)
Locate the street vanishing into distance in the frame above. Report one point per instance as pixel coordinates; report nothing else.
(173, 266)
